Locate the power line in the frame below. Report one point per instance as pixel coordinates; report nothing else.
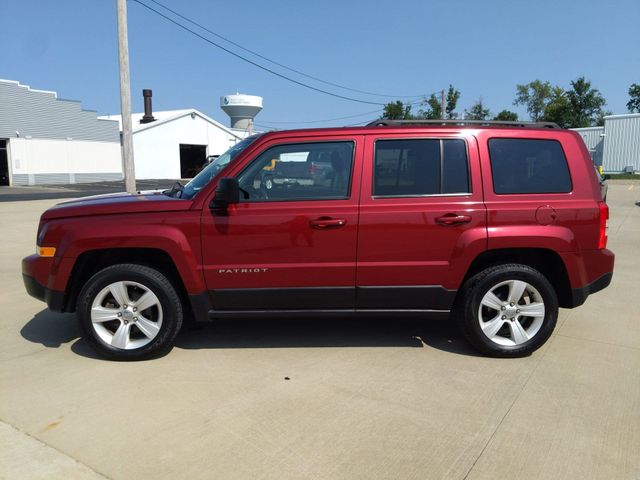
(326, 82)
(327, 119)
(252, 62)
(359, 124)
(411, 104)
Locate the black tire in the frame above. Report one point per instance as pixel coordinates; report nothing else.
(466, 309)
(154, 281)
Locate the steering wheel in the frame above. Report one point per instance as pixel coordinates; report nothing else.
(264, 188)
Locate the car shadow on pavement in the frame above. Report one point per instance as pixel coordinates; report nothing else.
(54, 329)
(51, 329)
(335, 332)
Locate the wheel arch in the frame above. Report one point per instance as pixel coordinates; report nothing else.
(92, 261)
(546, 261)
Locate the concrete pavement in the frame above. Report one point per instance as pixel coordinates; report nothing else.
(367, 399)
(25, 457)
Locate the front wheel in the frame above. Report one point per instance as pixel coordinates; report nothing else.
(129, 312)
(507, 311)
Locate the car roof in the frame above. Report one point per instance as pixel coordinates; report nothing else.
(422, 125)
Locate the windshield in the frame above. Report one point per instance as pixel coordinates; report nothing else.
(209, 172)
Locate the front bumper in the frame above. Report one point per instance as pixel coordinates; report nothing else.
(34, 274)
(53, 298)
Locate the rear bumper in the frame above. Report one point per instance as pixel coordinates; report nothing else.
(579, 295)
(589, 271)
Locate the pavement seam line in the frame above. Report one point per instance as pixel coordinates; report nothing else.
(598, 341)
(54, 448)
(524, 384)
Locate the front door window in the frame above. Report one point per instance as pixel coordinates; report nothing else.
(299, 172)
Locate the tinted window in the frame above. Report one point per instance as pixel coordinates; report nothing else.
(528, 166)
(209, 172)
(303, 171)
(455, 167)
(414, 167)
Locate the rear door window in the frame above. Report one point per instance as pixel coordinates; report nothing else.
(418, 167)
(528, 166)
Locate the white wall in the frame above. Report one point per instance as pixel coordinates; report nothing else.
(30, 156)
(157, 147)
(621, 143)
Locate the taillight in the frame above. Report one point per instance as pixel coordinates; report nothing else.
(604, 216)
(312, 168)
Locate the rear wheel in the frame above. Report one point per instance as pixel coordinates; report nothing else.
(129, 312)
(507, 311)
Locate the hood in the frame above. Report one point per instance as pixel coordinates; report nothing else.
(117, 203)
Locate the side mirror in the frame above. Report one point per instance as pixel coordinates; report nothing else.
(227, 192)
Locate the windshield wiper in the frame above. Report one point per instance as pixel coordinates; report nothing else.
(174, 190)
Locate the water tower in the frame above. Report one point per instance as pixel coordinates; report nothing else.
(242, 109)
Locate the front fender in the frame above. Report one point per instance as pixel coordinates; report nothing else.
(176, 233)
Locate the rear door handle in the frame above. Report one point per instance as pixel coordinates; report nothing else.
(453, 219)
(325, 223)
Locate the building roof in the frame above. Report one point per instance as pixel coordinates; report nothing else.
(29, 113)
(165, 116)
(584, 129)
(624, 115)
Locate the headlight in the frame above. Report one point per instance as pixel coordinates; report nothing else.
(42, 230)
(43, 251)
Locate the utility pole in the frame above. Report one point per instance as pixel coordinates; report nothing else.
(442, 104)
(125, 98)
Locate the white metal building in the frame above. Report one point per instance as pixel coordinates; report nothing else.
(616, 145)
(45, 139)
(177, 142)
(594, 140)
(621, 143)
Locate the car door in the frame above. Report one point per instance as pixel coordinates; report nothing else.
(422, 219)
(291, 244)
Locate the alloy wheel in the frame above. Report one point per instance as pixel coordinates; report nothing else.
(126, 315)
(511, 312)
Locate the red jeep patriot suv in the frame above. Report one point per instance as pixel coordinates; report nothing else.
(497, 224)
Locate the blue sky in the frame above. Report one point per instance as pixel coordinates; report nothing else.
(405, 47)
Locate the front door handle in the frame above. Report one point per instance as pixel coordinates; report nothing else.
(325, 223)
(453, 219)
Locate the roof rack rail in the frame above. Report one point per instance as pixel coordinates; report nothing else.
(383, 122)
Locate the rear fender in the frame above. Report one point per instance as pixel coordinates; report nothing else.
(549, 237)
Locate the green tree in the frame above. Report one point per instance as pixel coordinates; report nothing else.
(453, 96)
(397, 111)
(478, 111)
(585, 102)
(580, 106)
(633, 105)
(558, 108)
(433, 110)
(600, 117)
(506, 116)
(534, 96)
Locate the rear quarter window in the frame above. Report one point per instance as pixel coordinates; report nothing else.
(521, 165)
